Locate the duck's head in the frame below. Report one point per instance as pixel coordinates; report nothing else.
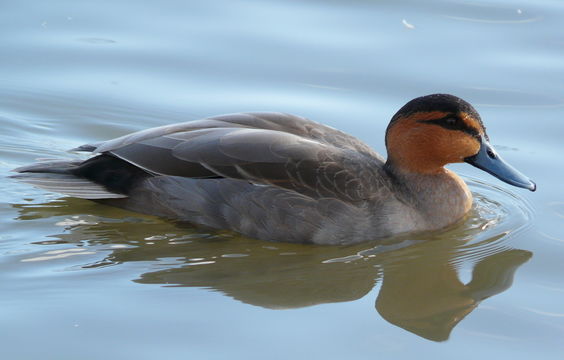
(434, 130)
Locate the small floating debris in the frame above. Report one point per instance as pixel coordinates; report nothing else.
(408, 25)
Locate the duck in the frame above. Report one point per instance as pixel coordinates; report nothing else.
(281, 177)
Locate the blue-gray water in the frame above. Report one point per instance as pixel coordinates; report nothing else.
(82, 281)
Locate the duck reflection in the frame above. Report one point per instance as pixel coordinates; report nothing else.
(420, 290)
(424, 294)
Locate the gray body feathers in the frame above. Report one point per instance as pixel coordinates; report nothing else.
(271, 176)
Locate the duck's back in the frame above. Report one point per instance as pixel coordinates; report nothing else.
(274, 121)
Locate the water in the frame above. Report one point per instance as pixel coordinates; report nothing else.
(80, 280)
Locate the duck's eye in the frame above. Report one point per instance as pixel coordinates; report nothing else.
(451, 121)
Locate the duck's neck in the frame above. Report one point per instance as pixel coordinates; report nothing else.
(441, 197)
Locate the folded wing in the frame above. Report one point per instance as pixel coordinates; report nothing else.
(263, 148)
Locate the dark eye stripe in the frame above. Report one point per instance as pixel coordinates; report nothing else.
(459, 124)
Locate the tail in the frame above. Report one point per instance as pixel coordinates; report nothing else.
(58, 176)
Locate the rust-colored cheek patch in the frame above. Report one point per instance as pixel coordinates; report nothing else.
(457, 146)
(423, 148)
